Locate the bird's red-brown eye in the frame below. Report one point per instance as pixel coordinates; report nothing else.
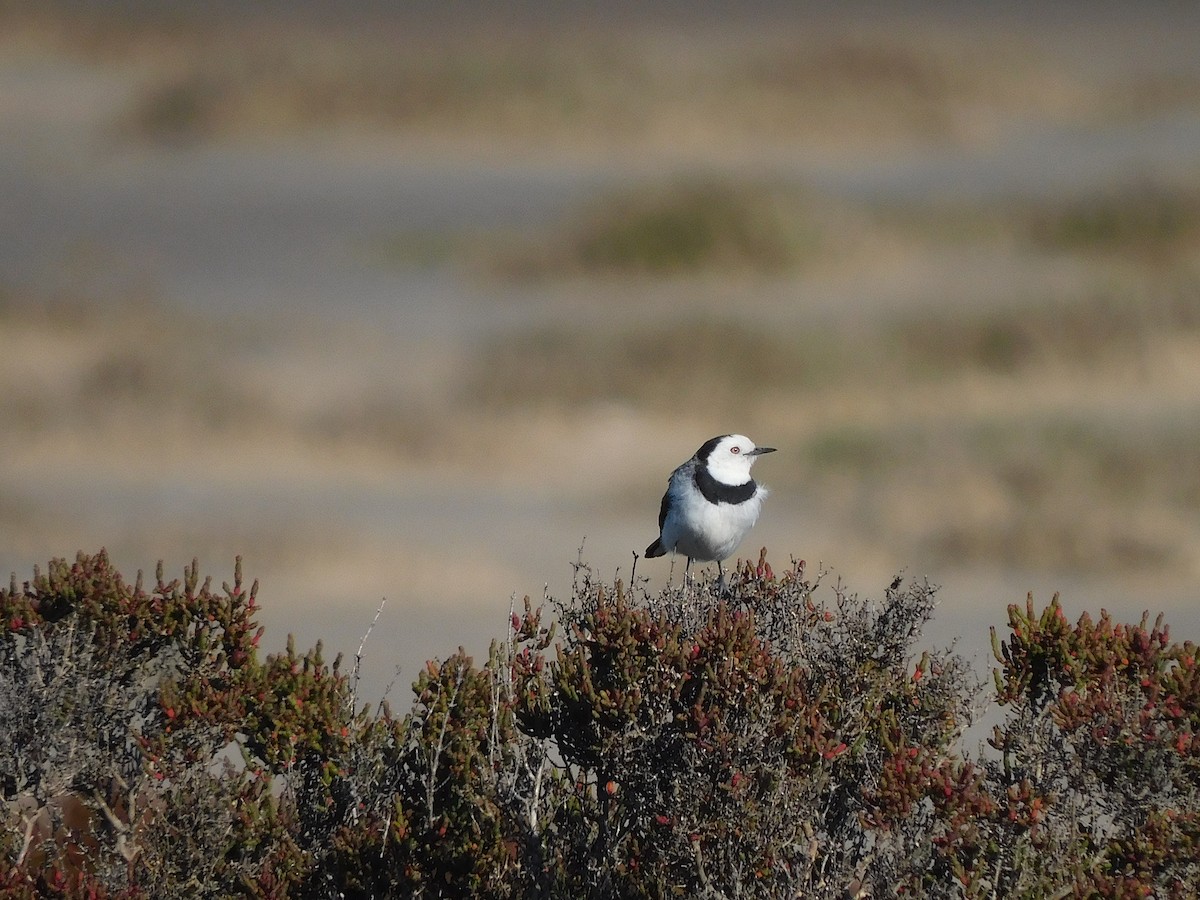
(735, 449)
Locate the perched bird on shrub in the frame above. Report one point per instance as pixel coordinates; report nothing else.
(711, 502)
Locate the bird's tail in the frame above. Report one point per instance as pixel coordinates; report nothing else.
(656, 549)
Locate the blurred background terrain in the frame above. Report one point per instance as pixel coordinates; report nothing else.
(415, 300)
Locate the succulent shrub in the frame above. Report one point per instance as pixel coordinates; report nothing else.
(787, 738)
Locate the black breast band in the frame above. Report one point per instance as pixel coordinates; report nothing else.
(717, 492)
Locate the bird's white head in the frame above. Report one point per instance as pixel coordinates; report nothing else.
(730, 456)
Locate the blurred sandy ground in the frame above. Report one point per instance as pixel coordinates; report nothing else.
(362, 295)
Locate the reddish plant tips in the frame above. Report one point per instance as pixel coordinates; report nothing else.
(784, 739)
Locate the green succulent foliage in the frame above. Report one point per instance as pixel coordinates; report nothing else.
(1099, 759)
(738, 746)
(787, 739)
(121, 702)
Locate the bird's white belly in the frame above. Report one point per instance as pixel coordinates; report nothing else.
(709, 531)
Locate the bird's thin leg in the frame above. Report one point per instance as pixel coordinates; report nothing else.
(721, 585)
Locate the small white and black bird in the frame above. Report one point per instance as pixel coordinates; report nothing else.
(711, 502)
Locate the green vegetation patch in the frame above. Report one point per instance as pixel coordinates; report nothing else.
(681, 227)
(1144, 219)
(620, 743)
(694, 225)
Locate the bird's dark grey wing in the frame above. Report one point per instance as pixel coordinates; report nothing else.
(681, 472)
